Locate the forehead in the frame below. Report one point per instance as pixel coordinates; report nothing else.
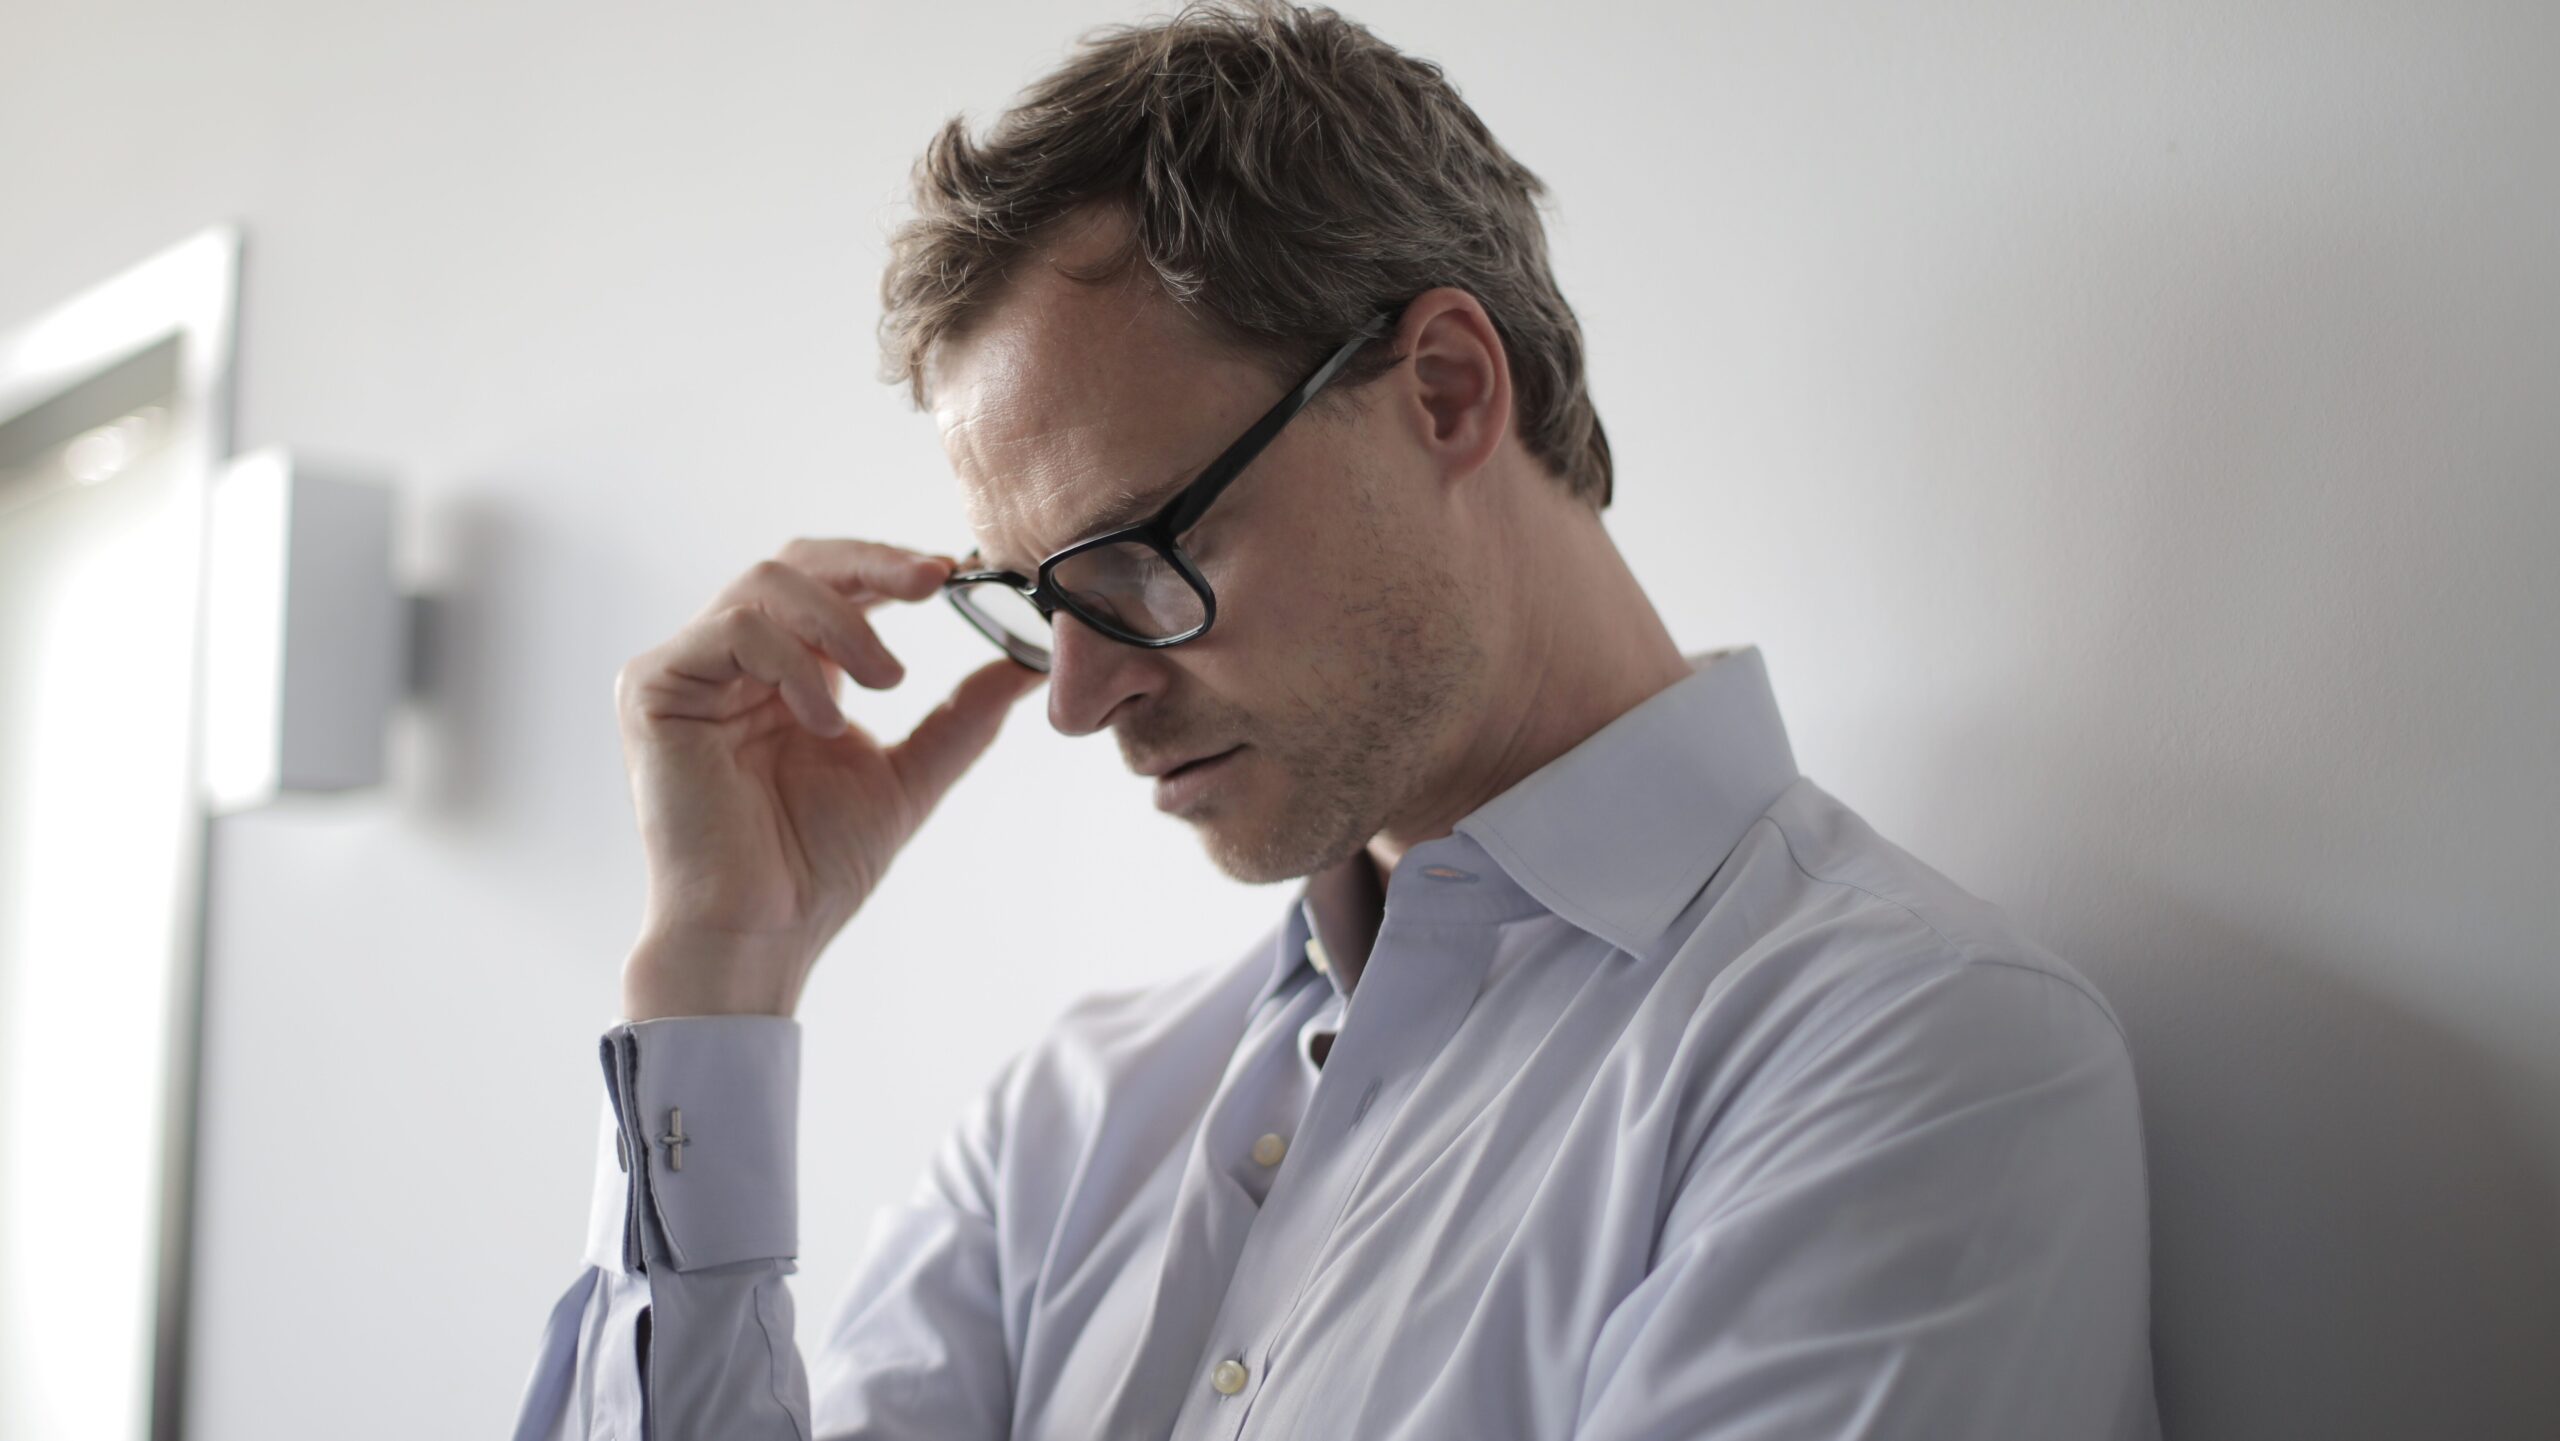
(1067, 402)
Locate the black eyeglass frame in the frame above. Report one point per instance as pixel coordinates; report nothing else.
(1159, 532)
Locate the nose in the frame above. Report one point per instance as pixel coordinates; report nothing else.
(1091, 675)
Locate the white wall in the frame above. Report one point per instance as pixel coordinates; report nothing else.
(2128, 433)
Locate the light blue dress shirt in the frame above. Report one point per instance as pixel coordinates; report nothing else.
(1672, 1101)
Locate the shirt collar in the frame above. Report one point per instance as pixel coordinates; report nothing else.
(1620, 833)
(1617, 835)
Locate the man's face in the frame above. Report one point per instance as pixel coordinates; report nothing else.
(1344, 649)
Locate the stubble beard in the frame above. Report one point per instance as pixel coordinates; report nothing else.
(1364, 752)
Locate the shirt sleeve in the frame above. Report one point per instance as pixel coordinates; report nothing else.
(681, 1324)
(1932, 1224)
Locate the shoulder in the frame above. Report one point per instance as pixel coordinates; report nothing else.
(1844, 938)
(1867, 1023)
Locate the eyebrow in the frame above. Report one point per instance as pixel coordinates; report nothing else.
(1126, 509)
(1131, 507)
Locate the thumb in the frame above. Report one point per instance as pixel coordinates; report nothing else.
(955, 733)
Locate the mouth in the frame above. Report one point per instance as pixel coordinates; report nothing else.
(1204, 760)
(1187, 782)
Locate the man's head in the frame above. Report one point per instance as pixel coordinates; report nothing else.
(1145, 253)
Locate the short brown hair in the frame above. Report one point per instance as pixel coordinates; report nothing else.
(1289, 176)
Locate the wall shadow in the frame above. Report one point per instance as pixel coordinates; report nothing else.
(2350, 1238)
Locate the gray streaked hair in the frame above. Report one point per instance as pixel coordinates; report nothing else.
(1288, 177)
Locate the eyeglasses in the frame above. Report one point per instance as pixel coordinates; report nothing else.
(1133, 584)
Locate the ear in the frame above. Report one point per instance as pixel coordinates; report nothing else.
(1461, 386)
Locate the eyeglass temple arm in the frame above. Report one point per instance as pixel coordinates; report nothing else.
(1187, 507)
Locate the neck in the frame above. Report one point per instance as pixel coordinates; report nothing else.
(1582, 646)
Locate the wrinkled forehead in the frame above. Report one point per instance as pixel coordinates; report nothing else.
(1065, 407)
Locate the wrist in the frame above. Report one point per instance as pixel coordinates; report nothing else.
(677, 975)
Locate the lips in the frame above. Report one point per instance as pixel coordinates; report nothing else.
(1179, 789)
(1155, 771)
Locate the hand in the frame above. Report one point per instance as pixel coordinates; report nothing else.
(768, 817)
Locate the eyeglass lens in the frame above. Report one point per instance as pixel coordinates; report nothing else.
(1133, 587)
(1125, 585)
(998, 608)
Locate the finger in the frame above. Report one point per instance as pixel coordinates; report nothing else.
(868, 570)
(745, 642)
(822, 617)
(770, 653)
(955, 733)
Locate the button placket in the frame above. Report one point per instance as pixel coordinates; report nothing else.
(1410, 1012)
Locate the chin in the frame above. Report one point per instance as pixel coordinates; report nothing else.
(1251, 859)
(1249, 846)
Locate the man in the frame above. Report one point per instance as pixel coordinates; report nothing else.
(1606, 1079)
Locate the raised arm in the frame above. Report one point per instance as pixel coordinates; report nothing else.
(767, 819)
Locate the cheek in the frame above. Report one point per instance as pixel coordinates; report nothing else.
(1249, 567)
(1288, 641)
(1283, 604)
(1300, 597)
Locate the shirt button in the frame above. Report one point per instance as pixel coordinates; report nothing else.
(1269, 1150)
(1448, 873)
(1228, 1377)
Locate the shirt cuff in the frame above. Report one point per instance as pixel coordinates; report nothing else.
(698, 1144)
